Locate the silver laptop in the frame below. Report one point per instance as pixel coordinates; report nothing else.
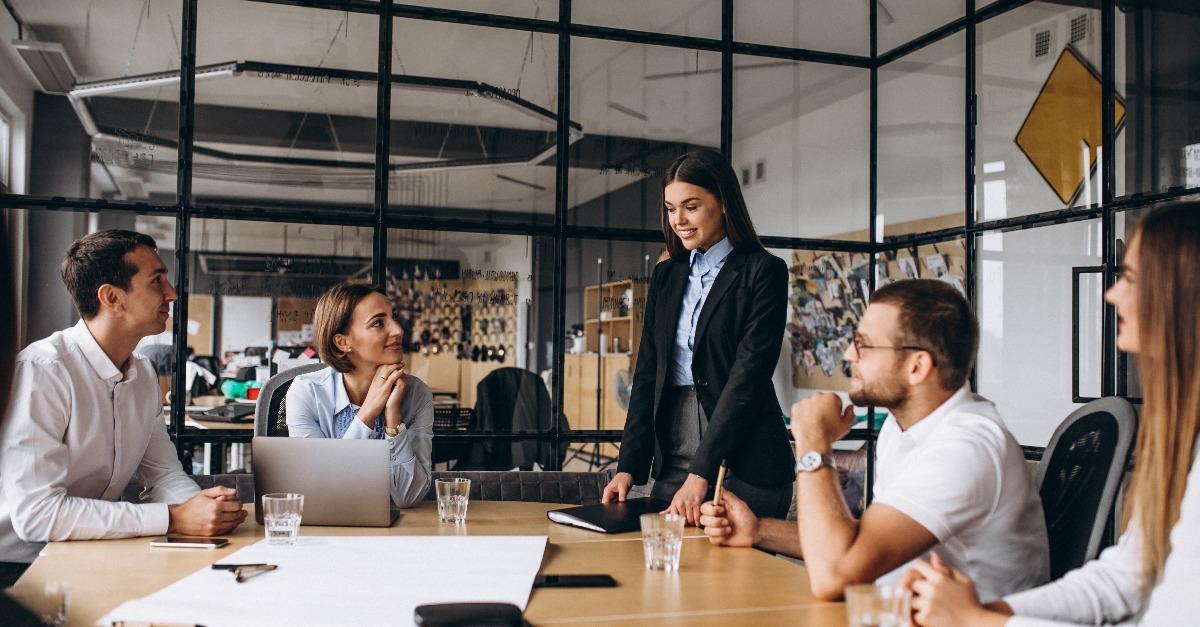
(344, 482)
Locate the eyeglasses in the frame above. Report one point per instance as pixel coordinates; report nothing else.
(859, 346)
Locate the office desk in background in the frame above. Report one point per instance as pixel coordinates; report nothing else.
(714, 586)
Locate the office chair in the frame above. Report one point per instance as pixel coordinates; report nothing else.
(574, 488)
(511, 400)
(1078, 479)
(270, 414)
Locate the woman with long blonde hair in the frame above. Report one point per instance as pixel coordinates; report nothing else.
(1152, 575)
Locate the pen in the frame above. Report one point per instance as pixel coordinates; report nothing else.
(239, 574)
(234, 566)
(720, 484)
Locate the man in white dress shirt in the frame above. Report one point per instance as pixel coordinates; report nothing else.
(950, 479)
(85, 417)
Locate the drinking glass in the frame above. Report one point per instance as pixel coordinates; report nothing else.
(875, 605)
(452, 499)
(281, 515)
(662, 537)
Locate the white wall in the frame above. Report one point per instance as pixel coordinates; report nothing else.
(816, 167)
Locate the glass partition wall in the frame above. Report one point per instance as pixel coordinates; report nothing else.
(496, 167)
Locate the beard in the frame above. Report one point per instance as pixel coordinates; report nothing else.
(888, 392)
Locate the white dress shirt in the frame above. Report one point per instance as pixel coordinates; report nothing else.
(77, 431)
(960, 474)
(315, 401)
(1107, 590)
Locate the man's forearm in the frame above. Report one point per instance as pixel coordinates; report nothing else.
(827, 531)
(778, 536)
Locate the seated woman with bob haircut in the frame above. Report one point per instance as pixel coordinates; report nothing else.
(364, 393)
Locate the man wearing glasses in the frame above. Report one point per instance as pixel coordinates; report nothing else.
(950, 479)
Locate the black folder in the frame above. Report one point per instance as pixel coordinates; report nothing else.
(608, 517)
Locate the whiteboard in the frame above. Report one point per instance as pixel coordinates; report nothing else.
(245, 321)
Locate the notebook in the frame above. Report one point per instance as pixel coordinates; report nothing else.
(608, 517)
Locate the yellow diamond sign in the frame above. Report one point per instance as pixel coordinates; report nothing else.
(1064, 119)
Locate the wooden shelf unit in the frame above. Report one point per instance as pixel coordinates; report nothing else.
(602, 317)
(593, 374)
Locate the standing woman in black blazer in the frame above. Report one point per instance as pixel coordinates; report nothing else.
(702, 391)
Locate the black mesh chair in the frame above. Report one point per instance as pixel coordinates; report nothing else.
(270, 414)
(1078, 479)
(511, 400)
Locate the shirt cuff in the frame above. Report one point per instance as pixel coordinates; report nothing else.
(359, 431)
(400, 445)
(156, 519)
(1026, 602)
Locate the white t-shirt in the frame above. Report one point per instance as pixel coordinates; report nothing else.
(960, 474)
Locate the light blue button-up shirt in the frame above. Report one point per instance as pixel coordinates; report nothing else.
(704, 269)
(318, 407)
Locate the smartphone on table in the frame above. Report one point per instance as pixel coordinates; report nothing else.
(188, 542)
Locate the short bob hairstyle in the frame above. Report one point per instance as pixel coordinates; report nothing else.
(332, 316)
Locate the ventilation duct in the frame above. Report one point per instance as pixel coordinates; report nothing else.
(49, 64)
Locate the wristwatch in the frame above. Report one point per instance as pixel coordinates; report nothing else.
(813, 461)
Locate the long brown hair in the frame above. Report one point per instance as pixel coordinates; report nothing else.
(1168, 325)
(710, 169)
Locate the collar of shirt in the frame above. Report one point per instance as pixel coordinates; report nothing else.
(714, 257)
(341, 400)
(104, 368)
(925, 427)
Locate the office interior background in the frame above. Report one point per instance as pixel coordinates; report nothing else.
(496, 165)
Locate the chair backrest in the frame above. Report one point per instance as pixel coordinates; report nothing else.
(270, 415)
(511, 399)
(575, 488)
(1078, 479)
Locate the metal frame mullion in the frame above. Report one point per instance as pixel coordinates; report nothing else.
(1108, 354)
(562, 167)
(872, 226)
(383, 143)
(970, 120)
(183, 191)
(727, 78)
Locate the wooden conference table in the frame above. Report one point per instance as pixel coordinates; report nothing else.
(714, 586)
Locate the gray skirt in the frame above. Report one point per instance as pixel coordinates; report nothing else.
(681, 440)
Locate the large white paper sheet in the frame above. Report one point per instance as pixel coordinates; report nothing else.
(347, 580)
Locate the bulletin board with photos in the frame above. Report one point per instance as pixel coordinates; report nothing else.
(830, 292)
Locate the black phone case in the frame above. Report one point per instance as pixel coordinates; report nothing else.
(464, 614)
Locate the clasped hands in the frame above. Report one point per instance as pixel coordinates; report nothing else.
(388, 387)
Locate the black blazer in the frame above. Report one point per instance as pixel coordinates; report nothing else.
(738, 338)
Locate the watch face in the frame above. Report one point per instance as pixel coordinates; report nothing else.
(810, 461)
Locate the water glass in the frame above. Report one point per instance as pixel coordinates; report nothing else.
(876, 605)
(281, 515)
(452, 498)
(53, 608)
(662, 537)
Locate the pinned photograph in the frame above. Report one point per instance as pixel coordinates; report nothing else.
(908, 267)
(937, 265)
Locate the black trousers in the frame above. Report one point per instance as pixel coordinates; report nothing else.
(10, 572)
(682, 439)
